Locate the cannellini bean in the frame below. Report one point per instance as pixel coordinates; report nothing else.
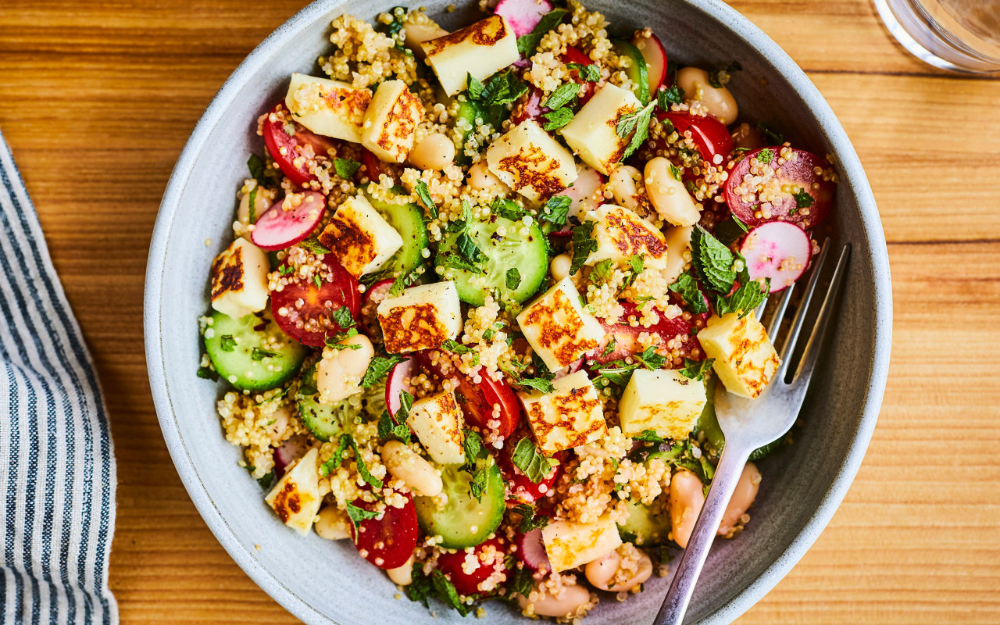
(279, 423)
(436, 151)
(746, 136)
(600, 573)
(686, 501)
(339, 373)
(560, 266)
(405, 464)
(678, 240)
(416, 34)
(332, 524)
(568, 603)
(743, 496)
(668, 195)
(622, 186)
(261, 203)
(718, 100)
(480, 177)
(403, 575)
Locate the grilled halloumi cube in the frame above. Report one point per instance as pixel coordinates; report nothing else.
(593, 133)
(663, 401)
(678, 240)
(295, 498)
(392, 116)
(528, 160)
(570, 544)
(423, 317)
(621, 233)
(557, 327)
(239, 279)
(328, 107)
(480, 49)
(568, 416)
(359, 237)
(437, 421)
(745, 359)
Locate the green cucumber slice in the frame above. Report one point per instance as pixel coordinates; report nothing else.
(463, 521)
(408, 220)
(527, 253)
(637, 71)
(252, 353)
(646, 525)
(326, 421)
(468, 112)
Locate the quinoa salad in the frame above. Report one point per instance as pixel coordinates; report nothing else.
(482, 289)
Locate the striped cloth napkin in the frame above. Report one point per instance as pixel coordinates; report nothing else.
(57, 468)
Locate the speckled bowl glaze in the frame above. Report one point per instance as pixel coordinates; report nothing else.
(326, 582)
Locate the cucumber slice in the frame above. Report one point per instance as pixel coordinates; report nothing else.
(527, 253)
(252, 353)
(326, 421)
(646, 525)
(408, 221)
(468, 112)
(463, 521)
(636, 71)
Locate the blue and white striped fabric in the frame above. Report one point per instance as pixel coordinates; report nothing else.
(57, 467)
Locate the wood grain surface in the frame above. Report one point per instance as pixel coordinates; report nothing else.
(97, 98)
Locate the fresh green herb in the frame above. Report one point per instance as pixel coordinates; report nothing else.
(687, 287)
(587, 73)
(563, 95)
(610, 347)
(513, 278)
(803, 199)
(502, 88)
(345, 167)
(358, 515)
(636, 263)
(336, 341)
(455, 261)
(750, 294)
(257, 167)
(467, 249)
(601, 270)
(342, 316)
(265, 480)
(713, 261)
(730, 230)
(666, 97)
(583, 244)
(313, 245)
(636, 125)
(720, 76)
(424, 195)
(318, 281)
(455, 347)
(327, 467)
(402, 281)
(394, 426)
(539, 384)
(475, 87)
(207, 373)
(259, 354)
(227, 343)
(523, 582)
(526, 44)
(532, 462)
(475, 452)
(557, 119)
(285, 270)
(648, 436)
(530, 519)
(556, 209)
(696, 369)
(617, 373)
(372, 481)
(378, 368)
(252, 205)
(370, 279)
(508, 209)
(541, 369)
(765, 156)
(650, 359)
(772, 136)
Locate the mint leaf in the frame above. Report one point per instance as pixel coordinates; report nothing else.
(750, 294)
(343, 317)
(378, 368)
(476, 88)
(557, 119)
(650, 359)
(358, 515)
(600, 271)
(539, 384)
(446, 593)
(508, 209)
(696, 369)
(765, 156)
(730, 230)
(258, 354)
(227, 343)
(424, 194)
(256, 166)
(648, 436)
(713, 261)
(526, 44)
(803, 199)
(635, 124)
(513, 278)
(556, 210)
(468, 250)
(345, 167)
(583, 244)
(563, 95)
(502, 88)
(530, 519)
(587, 73)
(772, 136)
(532, 462)
(666, 97)
(687, 287)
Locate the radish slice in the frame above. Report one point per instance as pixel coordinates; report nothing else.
(396, 383)
(779, 251)
(278, 228)
(656, 60)
(380, 288)
(572, 368)
(532, 550)
(290, 451)
(587, 182)
(523, 15)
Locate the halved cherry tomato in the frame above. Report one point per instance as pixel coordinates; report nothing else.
(709, 134)
(795, 176)
(307, 307)
(491, 556)
(522, 489)
(387, 542)
(373, 166)
(576, 55)
(276, 137)
(626, 337)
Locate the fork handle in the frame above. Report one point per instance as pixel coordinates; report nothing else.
(727, 475)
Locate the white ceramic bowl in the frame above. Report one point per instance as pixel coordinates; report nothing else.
(325, 582)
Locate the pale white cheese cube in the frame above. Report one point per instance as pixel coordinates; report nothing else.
(422, 317)
(568, 416)
(570, 544)
(480, 49)
(621, 234)
(328, 107)
(593, 132)
(528, 160)
(437, 421)
(359, 237)
(663, 401)
(296, 498)
(678, 240)
(239, 279)
(392, 117)
(557, 327)
(745, 359)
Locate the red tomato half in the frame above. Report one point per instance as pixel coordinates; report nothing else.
(794, 176)
(626, 337)
(522, 489)
(387, 542)
(276, 137)
(373, 166)
(708, 134)
(307, 308)
(490, 554)
(576, 55)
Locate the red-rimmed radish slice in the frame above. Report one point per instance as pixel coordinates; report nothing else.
(582, 193)
(777, 250)
(286, 142)
(289, 451)
(795, 176)
(572, 368)
(278, 228)
(396, 383)
(523, 15)
(531, 549)
(656, 60)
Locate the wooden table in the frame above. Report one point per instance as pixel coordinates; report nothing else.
(97, 97)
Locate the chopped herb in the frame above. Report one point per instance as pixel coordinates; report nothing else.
(773, 136)
(342, 316)
(666, 97)
(539, 384)
(338, 455)
(731, 230)
(713, 261)
(358, 515)
(600, 271)
(720, 76)
(455, 347)
(424, 194)
(556, 210)
(257, 167)
(252, 205)
(650, 359)
(207, 373)
(314, 246)
(532, 462)
(476, 88)
(475, 451)
(610, 347)
(228, 343)
(636, 263)
(635, 124)
(696, 369)
(394, 426)
(765, 156)
(675, 172)
(587, 73)
(402, 281)
(508, 209)
(523, 582)
(803, 199)
(457, 262)
(648, 436)
(286, 270)
(370, 279)
(513, 278)
(557, 119)
(345, 167)
(502, 88)
(541, 369)
(378, 368)
(583, 244)
(530, 519)
(468, 250)
(750, 294)
(335, 342)
(318, 281)
(687, 287)
(526, 44)
(259, 354)
(563, 95)
(446, 593)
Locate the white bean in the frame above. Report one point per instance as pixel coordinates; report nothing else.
(403, 575)
(622, 186)
(261, 203)
(686, 501)
(600, 573)
(332, 524)
(560, 266)
(743, 496)
(416, 34)
(480, 177)
(436, 151)
(718, 100)
(569, 602)
(669, 196)
(339, 373)
(279, 423)
(405, 464)
(678, 241)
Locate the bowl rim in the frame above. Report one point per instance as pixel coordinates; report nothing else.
(740, 27)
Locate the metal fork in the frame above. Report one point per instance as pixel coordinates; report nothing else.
(752, 423)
